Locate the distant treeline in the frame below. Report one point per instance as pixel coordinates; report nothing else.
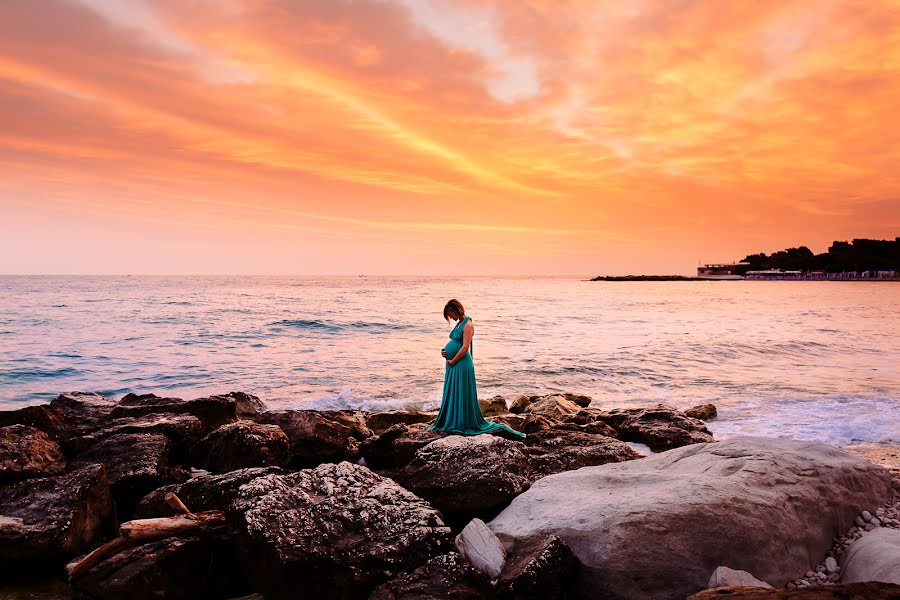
(858, 255)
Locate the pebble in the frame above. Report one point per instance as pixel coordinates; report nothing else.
(809, 574)
(875, 522)
(867, 516)
(869, 527)
(860, 522)
(831, 564)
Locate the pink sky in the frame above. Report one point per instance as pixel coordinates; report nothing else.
(439, 137)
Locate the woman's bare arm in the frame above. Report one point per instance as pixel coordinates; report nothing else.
(468, 332)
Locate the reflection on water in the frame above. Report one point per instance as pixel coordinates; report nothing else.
(810, 359)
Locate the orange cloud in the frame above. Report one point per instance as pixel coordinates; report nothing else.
(557, 136)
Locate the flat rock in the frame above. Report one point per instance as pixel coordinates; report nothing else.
(173, 567)
(873, 557)
(534, 423)
(61, 424)
(85, 402)
(852, 591)
(491, 407)
(381, 421)
(725, 577)
(465, 475)
(318, 436)
(542, 569)
(182, 430)
(478, 544)
(135, 462)
(396, 446)
(335, 531)
(147, 400)
(735, 502)
(28, 452)
(50, 519)
(242, 445)
(514, 421)
(661, 427)
(213, 411)
(443, 577)
(704, 412)
(556, 450)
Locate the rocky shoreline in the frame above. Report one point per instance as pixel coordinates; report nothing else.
(218, 497)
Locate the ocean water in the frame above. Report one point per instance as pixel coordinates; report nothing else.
(811, 360)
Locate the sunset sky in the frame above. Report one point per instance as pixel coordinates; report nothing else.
(442, 137)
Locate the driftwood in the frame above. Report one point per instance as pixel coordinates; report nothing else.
(139, 531)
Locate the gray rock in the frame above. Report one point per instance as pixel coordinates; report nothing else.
(50, 519)
(241, 445)
(867, 516)
(876, 522)
(626, 520)
(873, 557)
(335, 531)
(465, 475)
(724, 576)
(28, 452)
(831, 565)
(481, 548)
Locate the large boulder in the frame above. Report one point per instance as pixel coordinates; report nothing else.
(136, 463)
(204, 492)
(44, 521)
(446, 577)
(335, 531)
(542, 569)
(28, 452)
(870, 590)
(242, 445)
(661, 427)
(766, 506)
(173, 568)
(60, 423)
(319, 436)
(88, 403)
(468, 475)
(396, 446)
(381, 421)
(873, 557)
(182, 430)
(556, 450)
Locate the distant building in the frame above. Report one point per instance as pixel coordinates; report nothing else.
(722, 270)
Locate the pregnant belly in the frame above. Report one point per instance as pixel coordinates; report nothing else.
(452, 348)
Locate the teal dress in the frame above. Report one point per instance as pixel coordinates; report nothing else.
(460, 412)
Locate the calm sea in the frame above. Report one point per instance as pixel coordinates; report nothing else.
(814, 360)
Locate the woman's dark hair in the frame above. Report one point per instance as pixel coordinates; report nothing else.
(454, 306)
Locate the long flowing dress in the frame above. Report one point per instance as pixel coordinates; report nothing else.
(460, 412)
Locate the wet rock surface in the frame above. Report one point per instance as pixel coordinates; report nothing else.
(335, 531)
(44, 521)
(183, 431)
(319, 436)
(704, 412)
(28, 452)
(213, 411)
(242, 445)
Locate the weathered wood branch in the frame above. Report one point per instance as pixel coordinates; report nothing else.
(139, 531)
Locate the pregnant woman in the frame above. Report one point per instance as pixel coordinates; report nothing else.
(460, 412)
